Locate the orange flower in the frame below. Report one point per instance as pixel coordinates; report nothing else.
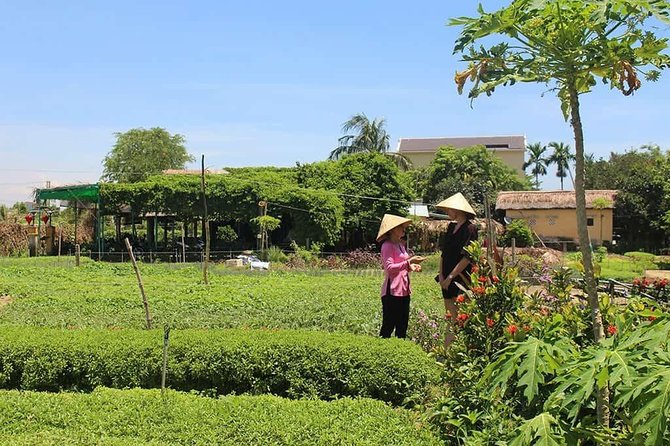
(651, 318)
(495, 279)
(475, 269)
(462, 317)
(482, 279)
(512, 329)
(489, 322)
(611, 329)
(460, 298)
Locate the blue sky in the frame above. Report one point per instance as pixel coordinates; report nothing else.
(261, 83)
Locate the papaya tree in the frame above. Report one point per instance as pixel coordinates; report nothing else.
(569, 45)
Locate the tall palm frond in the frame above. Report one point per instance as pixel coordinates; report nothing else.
(363, 135)
(538, 162)
(561, 157)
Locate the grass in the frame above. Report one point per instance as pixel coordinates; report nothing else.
(619, 267)
(49, 293)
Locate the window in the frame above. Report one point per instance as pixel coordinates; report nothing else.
(589, 221)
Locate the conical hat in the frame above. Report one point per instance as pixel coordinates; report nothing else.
(458, 202)
(389, 222)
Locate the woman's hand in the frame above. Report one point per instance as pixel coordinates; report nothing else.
(446, 282)
(416, 259)
(415, 267)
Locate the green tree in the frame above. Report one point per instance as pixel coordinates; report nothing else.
(561, 156)
(473, 171)
(642, 178)
(369, 185)
(369, 136)
(570, 43)
(140, 153)
(537, 161)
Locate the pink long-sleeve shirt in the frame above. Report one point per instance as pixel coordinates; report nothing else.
(396, 269)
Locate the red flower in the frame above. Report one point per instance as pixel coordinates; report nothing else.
(475, 269)
(462, 317)
(526, 328)
(512, 329)
(482, 279)
(651, 318)
(611, 329)
(495, 279)
(460, 298)
(636, 282)
(479, 290)
(448, 315)
(489, 322)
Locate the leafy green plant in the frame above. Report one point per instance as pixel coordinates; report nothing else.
(288, 363)
(113, 417)
(518, 230)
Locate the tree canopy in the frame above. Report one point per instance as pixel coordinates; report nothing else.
(140, 153)
(642, 178)
(369, 185)
(473, 171)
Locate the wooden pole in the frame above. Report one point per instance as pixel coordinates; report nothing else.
(60, 239)
(139, 283)
(205, 262)
(166, 342)
(183, 243)
(77, 254)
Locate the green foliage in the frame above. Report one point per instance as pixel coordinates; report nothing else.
(520, 231)
(226, 234)
(140, 153)
(276, 255)
(359, 179)
(312, 214)
(101, 295)
(473, 171)
(643, 198)
(266, 223)
(537, 161)
(561, 157)
(287, 363)
(110, 417)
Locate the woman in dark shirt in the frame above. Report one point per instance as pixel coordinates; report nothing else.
(455, 265)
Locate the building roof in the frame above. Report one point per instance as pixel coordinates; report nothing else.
(559, 199)
(514, 142)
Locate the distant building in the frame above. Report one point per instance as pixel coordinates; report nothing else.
(421, 151)
(553, 214)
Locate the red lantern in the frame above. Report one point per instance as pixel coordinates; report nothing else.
(45, 218)
(29, 218)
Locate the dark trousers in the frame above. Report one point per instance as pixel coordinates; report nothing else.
(395, 315)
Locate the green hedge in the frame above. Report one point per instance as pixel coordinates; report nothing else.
(287, 363)
(145, 417)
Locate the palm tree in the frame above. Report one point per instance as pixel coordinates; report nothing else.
(536, 160)
(370, 136)
(561, 157)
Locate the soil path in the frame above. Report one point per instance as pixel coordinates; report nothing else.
(5, 300)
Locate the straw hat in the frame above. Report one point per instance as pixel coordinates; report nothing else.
(458, 202)
(389, 222)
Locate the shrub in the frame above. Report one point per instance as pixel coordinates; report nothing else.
(123, 417)
(360, 258)
(286, 363)
(520, 231)
(276, 255)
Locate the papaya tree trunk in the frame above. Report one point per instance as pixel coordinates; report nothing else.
(602, 395)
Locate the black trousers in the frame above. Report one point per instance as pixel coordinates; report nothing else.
(395, 315)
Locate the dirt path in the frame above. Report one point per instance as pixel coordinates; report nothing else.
(5, 300)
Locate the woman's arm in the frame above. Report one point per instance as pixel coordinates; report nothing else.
(389, 262)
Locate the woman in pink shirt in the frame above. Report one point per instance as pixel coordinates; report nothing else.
(397, 263)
